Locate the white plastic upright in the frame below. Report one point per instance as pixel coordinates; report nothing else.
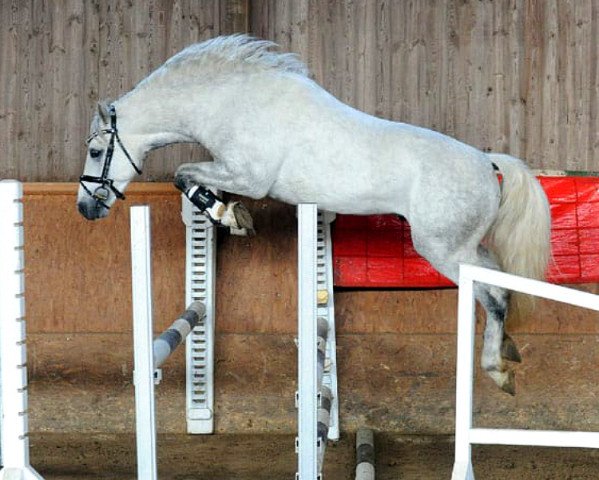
(326, 310)
(13, 364)
(200, 263)
(141, 280)
(307, 446)
(466, 434)
(465, 371)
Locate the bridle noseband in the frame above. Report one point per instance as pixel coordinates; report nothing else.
(101, 194)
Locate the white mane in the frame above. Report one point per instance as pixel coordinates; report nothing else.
(221, 55)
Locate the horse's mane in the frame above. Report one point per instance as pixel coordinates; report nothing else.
(225, 54)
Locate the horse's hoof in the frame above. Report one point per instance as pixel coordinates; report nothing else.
(509, 351)
(509, 385)
(243, 219)
(505, 379)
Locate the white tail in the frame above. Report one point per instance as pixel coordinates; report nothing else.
(520, 236)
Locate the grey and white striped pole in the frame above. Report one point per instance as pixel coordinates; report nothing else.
(364, 454)
(174, 335)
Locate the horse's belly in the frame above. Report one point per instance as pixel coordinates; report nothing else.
(342, 193)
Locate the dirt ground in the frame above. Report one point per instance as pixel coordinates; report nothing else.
(272, 457)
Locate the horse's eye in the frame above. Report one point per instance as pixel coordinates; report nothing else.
(95, 153)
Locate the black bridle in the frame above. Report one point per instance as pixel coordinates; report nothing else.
(101, 194)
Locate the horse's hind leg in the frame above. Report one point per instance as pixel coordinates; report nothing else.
(497, 345)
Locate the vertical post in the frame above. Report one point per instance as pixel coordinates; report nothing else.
(141, 280)
(307, 339)
(462, 469)
(13, 365)
(326, 311)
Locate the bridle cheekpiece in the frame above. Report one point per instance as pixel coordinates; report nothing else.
(101, 193)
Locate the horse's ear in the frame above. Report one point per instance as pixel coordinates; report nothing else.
(103, 112)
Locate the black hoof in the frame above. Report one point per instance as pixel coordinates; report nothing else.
(509, 385)
(509, 351)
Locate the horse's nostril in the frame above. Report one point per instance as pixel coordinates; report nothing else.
(87, 210)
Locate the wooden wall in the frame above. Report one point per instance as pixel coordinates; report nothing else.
(58, 58)
(78, 275)
(518, 76)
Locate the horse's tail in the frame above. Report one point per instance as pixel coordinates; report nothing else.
(520, 236)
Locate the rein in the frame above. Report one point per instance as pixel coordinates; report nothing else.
(101, 193)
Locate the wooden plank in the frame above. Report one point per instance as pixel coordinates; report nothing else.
(549, 132)
(235, 16)
(515, 110)
(434, 311)
(9, 86)
(25, 101)
(584, 46)
(149, 188)
(78, 272)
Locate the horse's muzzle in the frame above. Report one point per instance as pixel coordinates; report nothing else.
(90, 209)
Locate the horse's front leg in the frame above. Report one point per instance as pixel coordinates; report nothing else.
(191, 179)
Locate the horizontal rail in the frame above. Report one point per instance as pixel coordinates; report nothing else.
(536, 288)
(540, 438)
(68, 188)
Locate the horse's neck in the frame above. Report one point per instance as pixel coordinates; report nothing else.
(156, 120)
(205, 113)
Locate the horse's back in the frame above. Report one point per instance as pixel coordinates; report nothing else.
(348, 161)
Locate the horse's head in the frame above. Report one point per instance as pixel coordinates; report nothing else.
(113, 158)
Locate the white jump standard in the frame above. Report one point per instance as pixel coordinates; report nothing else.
(200, 264)
(150, 355)
(317, 373)
(465, 434)
(13, 362)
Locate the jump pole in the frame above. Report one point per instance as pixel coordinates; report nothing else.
(13, 361)
(150, 355)
(364, 454)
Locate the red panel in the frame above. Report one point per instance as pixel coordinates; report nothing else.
(377, 251)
